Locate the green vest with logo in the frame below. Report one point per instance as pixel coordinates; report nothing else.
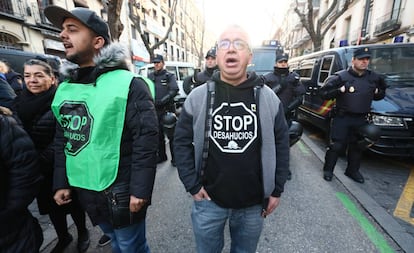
(92, 118)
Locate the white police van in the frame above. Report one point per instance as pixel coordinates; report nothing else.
(181, 71)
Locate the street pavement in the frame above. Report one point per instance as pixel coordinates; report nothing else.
(310, 217)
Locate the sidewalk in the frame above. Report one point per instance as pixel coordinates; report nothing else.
(50, 238)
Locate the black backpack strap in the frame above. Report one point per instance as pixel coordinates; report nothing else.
(208, 122)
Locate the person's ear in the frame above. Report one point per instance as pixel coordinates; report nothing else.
(99, 42)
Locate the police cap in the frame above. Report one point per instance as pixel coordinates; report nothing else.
(158, 58)
(211, 53)
(362, 52)
(282, 57)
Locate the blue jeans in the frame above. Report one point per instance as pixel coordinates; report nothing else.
(209, 220)
(127, 239)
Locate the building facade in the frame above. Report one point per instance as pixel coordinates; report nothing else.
(363, 22)
(23, 26)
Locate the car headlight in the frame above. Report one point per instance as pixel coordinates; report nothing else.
(387, 121)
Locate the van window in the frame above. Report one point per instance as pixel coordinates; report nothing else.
(263, 60)
(326, 67)
(306, 69)
(184, 72)
(395, 63)
(305, 73)
(171, 69)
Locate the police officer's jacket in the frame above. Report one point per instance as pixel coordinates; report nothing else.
(287, 87)
(165, 86)
(204, 76)
(191, 82)
(360, 90)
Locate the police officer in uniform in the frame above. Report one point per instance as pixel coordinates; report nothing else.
(165, 90)
(354, 89)
(287, 87)
(199, 78)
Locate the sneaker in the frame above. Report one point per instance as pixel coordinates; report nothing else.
(104, 240)
(62, 244)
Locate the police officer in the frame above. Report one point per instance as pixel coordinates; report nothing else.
(199, 78)
(165, 90)
(354, 89)
(287, 87)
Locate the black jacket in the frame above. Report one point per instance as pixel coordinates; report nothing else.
(37, 118)
(166, 88)
(19, 184)
(287, 87)
(190, 82)
(15, 80)
(139, 139)
(360, 90)
(7, 94)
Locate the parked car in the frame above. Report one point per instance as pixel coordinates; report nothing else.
(181, 71)
(16, 58)
(394, 114)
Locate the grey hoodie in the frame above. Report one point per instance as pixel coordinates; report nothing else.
(189, 140)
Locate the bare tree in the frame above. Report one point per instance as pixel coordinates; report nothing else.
(317, 29)
(114, 22)
(134, 15)
(191, 35)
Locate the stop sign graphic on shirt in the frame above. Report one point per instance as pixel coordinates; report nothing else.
(234, 127)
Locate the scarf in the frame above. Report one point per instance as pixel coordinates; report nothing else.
(30, 106)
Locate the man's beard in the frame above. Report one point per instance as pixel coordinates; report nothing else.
(73, 58)
(80, 57)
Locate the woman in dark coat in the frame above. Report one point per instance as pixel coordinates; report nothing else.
(33, 109)
(19, 183)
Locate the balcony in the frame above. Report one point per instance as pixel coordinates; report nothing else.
(13, 12)
(386, 24)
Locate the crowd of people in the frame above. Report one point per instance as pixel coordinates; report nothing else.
(54, 144)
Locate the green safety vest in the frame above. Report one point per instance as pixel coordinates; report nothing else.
(92, 118)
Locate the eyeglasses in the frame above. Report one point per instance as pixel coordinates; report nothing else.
(237, 44)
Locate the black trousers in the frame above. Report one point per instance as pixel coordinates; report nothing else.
(162, 155)
(344, 137)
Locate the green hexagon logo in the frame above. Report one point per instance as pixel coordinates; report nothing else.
(77, 123)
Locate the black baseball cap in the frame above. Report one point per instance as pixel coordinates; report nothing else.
(362, 52)
(282, 57)
(57, 15)
(158, 58)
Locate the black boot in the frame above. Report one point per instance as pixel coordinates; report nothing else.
(330, 161)
(83, 241)
(354, 162)
(62, 244)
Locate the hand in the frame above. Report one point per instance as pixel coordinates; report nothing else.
(271, 206)
(202, 194)
(135, 204)
(62, 197)
(342, 89)
(5, 111)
